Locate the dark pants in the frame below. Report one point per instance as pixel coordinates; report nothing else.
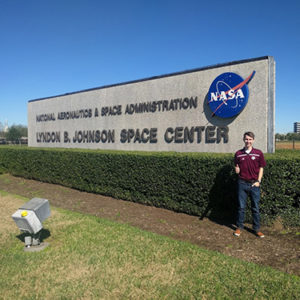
(245, 189)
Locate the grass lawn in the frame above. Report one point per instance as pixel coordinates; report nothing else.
(93, 258)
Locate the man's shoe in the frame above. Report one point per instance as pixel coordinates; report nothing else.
(260, 234)
(237, 232)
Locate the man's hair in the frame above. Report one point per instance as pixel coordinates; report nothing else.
(249, 133)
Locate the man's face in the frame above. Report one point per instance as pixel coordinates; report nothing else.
(248, 140)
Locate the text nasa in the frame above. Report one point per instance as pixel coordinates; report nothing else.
(230, 95)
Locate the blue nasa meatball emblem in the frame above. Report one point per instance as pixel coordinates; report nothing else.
(228, 94)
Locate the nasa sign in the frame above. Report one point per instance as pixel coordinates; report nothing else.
(229, 94)
(200, 110)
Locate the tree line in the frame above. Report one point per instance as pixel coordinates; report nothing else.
(291, 136)
(13, 134)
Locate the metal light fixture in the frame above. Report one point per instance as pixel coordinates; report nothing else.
(29, 219)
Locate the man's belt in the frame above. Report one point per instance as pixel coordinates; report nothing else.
(248, 181)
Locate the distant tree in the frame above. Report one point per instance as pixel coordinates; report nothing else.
(279, 137)
(292, 136)
(2, 133)
(15, 132)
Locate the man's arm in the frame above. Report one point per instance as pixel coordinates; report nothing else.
(260, 175)
(236, 164)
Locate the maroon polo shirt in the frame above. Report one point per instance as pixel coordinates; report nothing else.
(249, 163)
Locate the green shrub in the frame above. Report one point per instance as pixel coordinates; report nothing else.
(199, 184)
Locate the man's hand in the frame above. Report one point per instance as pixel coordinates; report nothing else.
(257, 184)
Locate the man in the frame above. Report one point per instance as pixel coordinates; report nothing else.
(249, 165)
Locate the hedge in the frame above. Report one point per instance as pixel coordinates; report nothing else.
(199, 184)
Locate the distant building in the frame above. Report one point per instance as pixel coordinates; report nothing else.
(23, 140)
(297, 127)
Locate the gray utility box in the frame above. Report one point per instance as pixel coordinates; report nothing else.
(40, 207)
(30, 216)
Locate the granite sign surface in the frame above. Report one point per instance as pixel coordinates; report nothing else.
(200, 110)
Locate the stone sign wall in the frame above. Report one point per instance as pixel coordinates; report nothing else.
(200, 110)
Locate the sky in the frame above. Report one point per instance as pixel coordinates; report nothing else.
(53, 47)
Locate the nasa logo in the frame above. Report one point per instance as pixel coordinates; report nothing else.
(228, 94)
